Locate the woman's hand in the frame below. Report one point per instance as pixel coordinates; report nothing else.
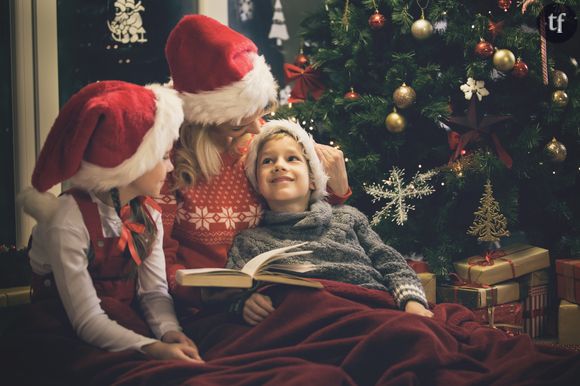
(333, 163)
(256, 308)
(414, 307)
(162, 350)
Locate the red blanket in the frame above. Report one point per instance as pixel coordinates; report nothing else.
(343, 335)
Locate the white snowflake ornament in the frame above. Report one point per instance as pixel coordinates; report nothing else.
(246, 10)
(396, 194)
(476, 87)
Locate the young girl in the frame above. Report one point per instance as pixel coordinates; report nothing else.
(284, 168)
(100, 243)
(208, 199)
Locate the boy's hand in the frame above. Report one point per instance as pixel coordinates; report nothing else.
(256, 308)
(414, 307)
(161, 350)
(333, 163)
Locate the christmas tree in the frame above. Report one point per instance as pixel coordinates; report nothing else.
(468, 90)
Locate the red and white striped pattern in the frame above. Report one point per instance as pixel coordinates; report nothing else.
(536, 308)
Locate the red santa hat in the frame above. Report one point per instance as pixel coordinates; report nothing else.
(218, 72)
(107, 135)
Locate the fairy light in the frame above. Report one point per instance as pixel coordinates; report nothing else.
(289, 105)
(346, 160)
(331, 143)
(443, 184)
(304, 122)
(311, 128)
(473, 26)
(420, 166)
(273, 114)
(553, 172)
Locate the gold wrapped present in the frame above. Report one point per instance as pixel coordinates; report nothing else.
(502, 265)
(568, 322)
(478, 297)
(14, 296)
(429, 283)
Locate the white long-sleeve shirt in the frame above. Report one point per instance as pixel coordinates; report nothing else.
(60, 246)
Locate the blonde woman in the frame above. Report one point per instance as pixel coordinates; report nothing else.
(226, 88)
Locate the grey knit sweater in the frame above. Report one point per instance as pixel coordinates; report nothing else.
(344, 247)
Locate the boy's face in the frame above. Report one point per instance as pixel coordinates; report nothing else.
(283, 175)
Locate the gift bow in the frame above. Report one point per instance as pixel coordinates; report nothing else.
(128, 226)
(489, 260)
(307, 80)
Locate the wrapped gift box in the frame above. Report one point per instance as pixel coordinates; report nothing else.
(429, 284)
(536, 310)
(502, 265)
(568, 279)
(14, 296)
(508, 317)
(541, 277)
(568, 323)
(478, 297)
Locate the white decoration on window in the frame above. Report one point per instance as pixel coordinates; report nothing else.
(246, 10)
(278, 30)
(127, 27)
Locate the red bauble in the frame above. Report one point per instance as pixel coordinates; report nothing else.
(504, 4)
(301, 60)
(484, 49)
(377, 20)
(351, 95)
(520, 69)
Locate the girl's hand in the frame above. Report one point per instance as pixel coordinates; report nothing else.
(177, 337)
(414, 307)
(256, 308)
(333, 163)
(161, 350)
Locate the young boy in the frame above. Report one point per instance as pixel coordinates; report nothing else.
(283, 167)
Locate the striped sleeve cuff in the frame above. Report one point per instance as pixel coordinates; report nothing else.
(408, 291)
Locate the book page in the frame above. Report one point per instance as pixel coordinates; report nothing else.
(262, 259)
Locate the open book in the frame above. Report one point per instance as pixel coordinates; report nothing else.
(261, 268)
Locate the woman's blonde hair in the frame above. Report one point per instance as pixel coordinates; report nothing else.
(197, 157)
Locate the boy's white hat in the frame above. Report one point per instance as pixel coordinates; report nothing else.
(296, 131)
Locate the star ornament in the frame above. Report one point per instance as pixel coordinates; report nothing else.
(472, 127)
(476, 87)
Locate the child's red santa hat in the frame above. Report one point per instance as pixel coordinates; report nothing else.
(107, 135)
(218, 72)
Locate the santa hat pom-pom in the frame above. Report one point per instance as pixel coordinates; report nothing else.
(41, 206)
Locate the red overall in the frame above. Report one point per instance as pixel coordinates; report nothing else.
(113, 272)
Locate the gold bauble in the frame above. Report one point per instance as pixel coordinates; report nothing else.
(395, 122)
(560, 98)
(556, 150)
(504, 60)
(421, 29)
(404, 96)
(559, 80)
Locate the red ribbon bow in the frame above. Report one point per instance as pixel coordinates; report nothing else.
(307, 81)
(126, 238)
(489, 260)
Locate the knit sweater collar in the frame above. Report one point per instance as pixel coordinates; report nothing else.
(320, 214)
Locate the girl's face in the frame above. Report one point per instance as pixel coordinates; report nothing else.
(249, 125)
(150, 183)
(283, 175)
